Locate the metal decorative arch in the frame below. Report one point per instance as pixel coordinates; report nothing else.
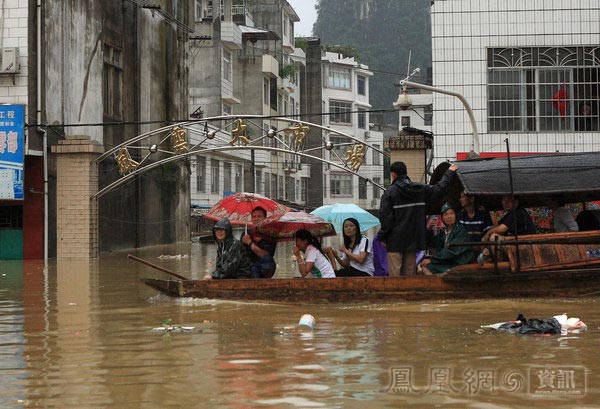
(227, 134)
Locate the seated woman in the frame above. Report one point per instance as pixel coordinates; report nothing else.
(562, 219)
(314, 261)
(232, 257)
(447, 257)
(356, 253)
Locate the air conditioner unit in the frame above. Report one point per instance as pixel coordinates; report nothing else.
(10, 60)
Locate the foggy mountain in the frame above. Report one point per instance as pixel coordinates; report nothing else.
(383, 32)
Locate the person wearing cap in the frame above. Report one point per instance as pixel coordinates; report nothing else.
(447, 257)
(402, 217)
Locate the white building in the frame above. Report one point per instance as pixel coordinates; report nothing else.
(346, 98)
(529, 69)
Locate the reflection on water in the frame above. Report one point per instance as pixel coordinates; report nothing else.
(81, 335)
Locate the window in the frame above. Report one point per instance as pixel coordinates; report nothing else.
(376, 155)
(362, 188)
(226, 65)
(362, 118)
(290, 189)
(227, 109)
(340, 145)
(273, 94)
(267, 183)
(361, 82)
(292, 106)
(303, 187)
(428, 115)
(376, 191)
(266, 92)
(341, 184)
(198, 11)
(238, 178)
(112, 83)
(274, 192)
(339, 112)
(405, 120)
(280, 188)
(226, 177)
(543, 89)
(260, 189)
(339, 78)
(214, 180)
(201, 174)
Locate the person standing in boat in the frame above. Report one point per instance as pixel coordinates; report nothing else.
(314, 261)
(232, 257)
(260, 249)
(402, 217)
(447, 257)
(356, 257)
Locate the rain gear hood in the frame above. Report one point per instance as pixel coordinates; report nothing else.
(232, 257)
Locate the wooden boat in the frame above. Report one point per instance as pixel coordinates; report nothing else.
(547, 268)
(539, 266)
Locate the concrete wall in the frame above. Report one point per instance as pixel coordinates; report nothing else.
(155, 208)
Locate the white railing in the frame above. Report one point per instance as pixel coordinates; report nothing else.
(238, 9)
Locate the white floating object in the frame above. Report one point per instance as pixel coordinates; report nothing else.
(307, 320)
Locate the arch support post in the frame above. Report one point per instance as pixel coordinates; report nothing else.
(76, 208)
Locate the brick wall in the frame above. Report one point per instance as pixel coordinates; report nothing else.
(76, 211)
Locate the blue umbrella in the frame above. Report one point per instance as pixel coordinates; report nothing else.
(337, 213)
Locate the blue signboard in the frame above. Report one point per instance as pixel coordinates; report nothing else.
(12, 150)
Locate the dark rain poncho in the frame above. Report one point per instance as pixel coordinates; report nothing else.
(232, 257)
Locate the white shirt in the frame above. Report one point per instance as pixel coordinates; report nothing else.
(364, 245)
(321, 266)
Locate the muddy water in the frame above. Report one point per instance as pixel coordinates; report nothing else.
(89, 335)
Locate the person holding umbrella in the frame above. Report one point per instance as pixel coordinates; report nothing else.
(357, 252)
(314, 261)
(232, 257)
(260, 249)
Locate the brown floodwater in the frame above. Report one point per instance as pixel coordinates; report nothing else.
(90, 335)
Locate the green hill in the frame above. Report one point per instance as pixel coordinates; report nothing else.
(383, 32)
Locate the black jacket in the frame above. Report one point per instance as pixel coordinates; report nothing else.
(402, 212)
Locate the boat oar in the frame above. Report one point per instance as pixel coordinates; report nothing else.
(164, 270)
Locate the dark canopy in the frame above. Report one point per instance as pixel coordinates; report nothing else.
(573, 176)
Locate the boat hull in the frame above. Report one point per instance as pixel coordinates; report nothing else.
(460, 284)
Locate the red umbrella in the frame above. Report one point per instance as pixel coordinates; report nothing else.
(284, 227)
(238, 208)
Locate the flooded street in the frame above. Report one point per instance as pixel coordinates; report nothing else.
(89, 335)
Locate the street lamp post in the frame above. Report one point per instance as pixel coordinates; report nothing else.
(404, 103)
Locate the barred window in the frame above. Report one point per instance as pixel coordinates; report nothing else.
(341, 184)
(339, 112)
(214, 181)
(339, 78)
(340, 145)
(543, 89)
